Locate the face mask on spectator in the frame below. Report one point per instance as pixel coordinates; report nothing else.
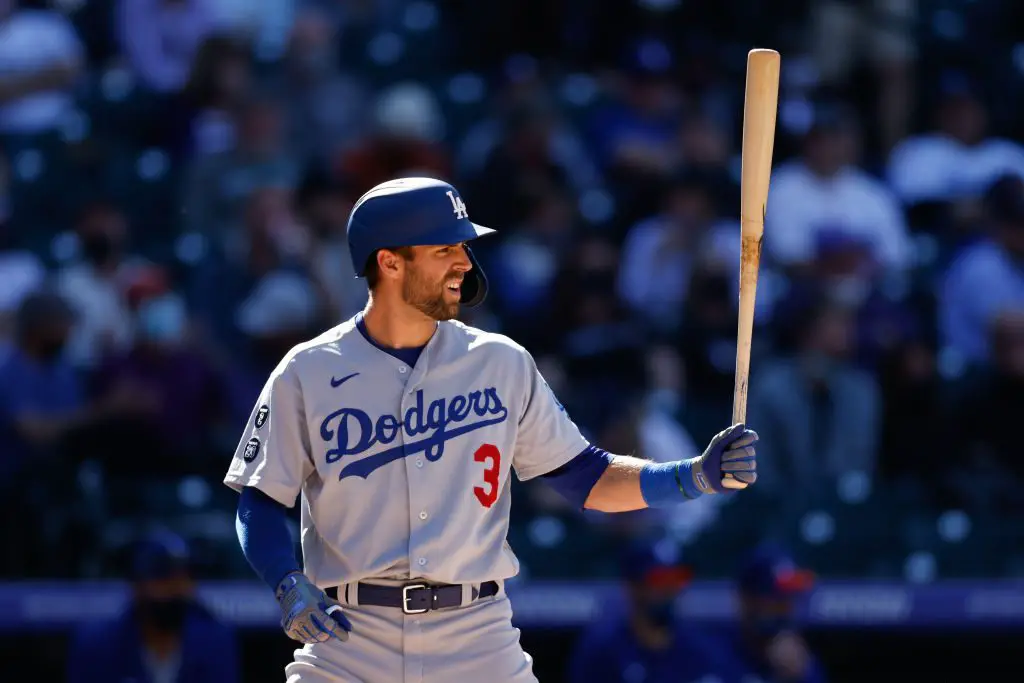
(162, 320)
(98, 249)
(660, 613)
(49, 349)
(167, 614)
(850, 290)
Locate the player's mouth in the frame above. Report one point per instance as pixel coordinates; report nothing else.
(455, 287)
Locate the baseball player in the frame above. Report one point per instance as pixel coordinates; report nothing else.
(401, 429)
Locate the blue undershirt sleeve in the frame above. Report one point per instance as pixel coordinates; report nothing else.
(575, 479)
(262, 528)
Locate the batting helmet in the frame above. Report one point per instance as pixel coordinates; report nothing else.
(409, 212)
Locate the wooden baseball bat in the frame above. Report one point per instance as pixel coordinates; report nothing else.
(760, 107)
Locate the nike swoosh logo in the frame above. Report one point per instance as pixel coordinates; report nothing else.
(338, 382)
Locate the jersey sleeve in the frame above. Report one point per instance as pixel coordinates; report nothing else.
(274, 453)
(547, 437)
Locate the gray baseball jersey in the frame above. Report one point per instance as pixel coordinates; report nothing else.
(404, 471)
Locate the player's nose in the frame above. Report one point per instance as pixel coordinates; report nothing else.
(463, 264)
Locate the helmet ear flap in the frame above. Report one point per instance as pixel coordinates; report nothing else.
(474, 285)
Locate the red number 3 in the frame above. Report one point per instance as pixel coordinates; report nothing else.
(488, 453)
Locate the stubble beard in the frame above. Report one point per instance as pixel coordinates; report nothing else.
(427, 298)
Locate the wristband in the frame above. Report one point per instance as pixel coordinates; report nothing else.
(664, 484)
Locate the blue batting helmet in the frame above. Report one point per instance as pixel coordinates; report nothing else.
(408, 212)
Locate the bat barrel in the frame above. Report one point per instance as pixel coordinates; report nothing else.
(760, 108)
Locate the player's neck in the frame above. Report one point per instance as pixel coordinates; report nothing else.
(397, 326)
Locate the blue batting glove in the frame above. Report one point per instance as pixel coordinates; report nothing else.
(730, 452)
(307, 614)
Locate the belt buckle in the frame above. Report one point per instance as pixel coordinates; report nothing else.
(406, 599)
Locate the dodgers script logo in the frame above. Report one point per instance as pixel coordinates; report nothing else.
(353, 431)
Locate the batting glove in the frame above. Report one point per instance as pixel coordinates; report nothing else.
(732, 453)
(308, 615)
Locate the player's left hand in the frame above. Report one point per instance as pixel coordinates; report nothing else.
(729, 463)
(308, 615)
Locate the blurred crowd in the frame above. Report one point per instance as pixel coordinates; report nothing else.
(175, 179)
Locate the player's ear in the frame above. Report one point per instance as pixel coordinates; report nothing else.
(389, 263)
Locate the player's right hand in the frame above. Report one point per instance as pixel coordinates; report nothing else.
(731, 452)
(308, 615)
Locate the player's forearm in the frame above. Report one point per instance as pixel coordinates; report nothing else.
(262, 527)
(618, 489)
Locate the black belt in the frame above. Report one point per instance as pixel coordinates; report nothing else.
(414, 598)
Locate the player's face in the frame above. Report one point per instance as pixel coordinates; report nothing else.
(433, 280)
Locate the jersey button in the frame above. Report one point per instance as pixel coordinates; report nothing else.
(419, 463)
(402, 369)
(423, 515)
(422, 561)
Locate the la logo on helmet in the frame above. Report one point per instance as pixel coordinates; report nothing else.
(458, 206)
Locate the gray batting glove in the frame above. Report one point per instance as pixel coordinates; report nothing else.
(307, 614)
(729, 463)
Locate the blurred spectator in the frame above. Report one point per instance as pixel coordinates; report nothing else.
(21, 271)
(219, 185)
(322, 205)
(985, 278)
(658, 254)
(531, 156)
(264, 24)
(327, 109)
(255, 298)
(280, 313)
(524, 265)
(824, 190)
(159, 38)
(959, 159)
(767, 645)
(525, 112)
(219, 80)
(843, 268)
(705, 144)
(644, 639)
(43, 409)
(94, 284)
(601, 349)
(164, 634)
(913, 393)
(707, 344)
(989, 399)
(661, 436)
(633, 136)
(405, 140)
(817, 415)
(40, 59)
(40, 397)
(185, 397)
(848, 34)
